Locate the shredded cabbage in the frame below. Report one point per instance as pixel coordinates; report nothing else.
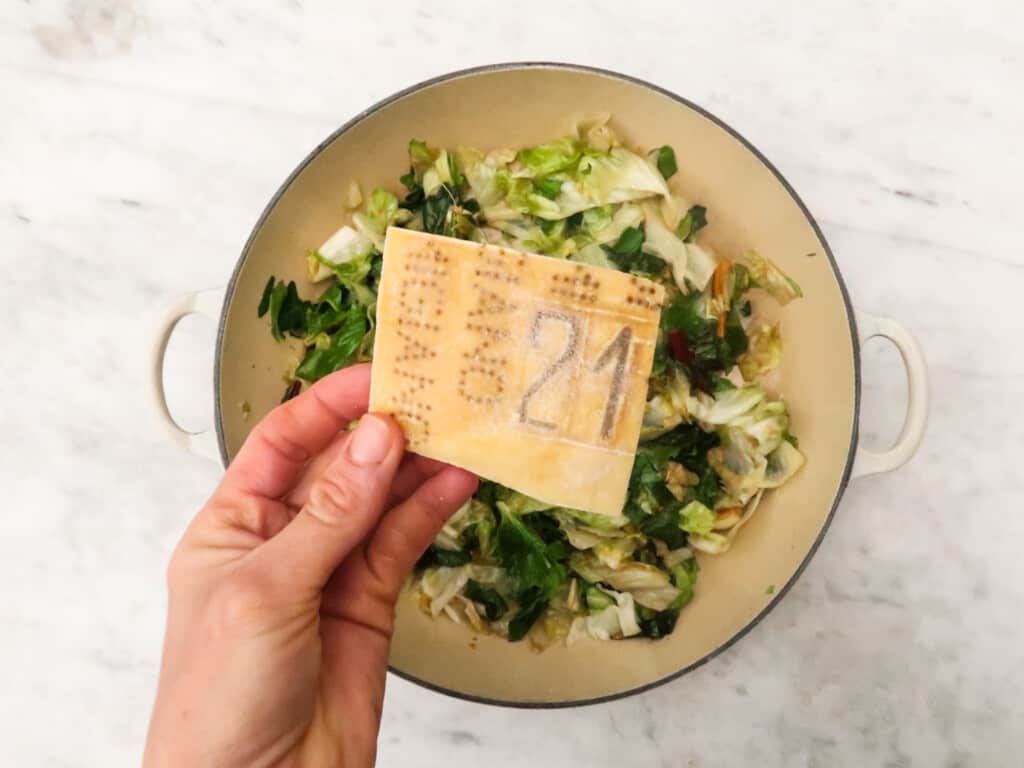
(344, 246)
(768, 277)
(714, 436)
(763, 354)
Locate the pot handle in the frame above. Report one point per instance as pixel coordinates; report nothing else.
(868, 462)
(205, 303)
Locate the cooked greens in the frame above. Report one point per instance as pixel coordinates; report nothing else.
(713, 437)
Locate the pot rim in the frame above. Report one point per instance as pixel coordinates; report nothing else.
(610, 74)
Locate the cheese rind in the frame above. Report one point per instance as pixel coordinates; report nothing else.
(527, 370)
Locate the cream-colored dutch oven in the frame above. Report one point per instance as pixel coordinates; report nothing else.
(751, 205)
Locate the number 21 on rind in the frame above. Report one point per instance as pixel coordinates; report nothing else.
(615, 354)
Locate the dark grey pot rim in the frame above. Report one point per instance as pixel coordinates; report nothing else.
(844, 481)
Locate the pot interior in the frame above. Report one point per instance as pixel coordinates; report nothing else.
(748, 207)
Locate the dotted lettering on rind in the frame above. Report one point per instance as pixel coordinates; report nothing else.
(580, 289)
(643, 295)
(482, 380)
(414, 424)
(421, 309)
(490, 303)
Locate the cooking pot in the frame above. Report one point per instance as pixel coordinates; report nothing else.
(750, 205)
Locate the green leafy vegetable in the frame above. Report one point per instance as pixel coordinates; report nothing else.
(550, 158)
(340, 349)
(693, 222)
(420, 158)
(532, 565)
(458, 180)
(446, 558)
(721, 384)
(615, 176)
(666, 161)
(697, 346)
(382, 208)
(664, 525)
(532, 604)
(290, 314)
(687, 444)
(781, 464)
(292, 391)
(594, 255)
(593, 220)
(684, 576)
(492, 601)
(629, 242)
(344, 253)
(595, 521)
(597, 599)
(548, 187)
(647, 490)
(352, 272)
(322, 318)
(435, 210)
(705, 442)
(516, 503)
(264, 304)
(287, 311)
(696, 518)
(628, 255)
(525, 556)
(557, 551)
(764, 274)
(708, 488)
(414, 195)
(650, 504)
(764, 352)
(657, 624)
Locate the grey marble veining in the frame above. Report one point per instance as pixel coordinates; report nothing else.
(139, 142)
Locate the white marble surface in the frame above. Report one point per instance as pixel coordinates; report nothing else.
(140, 139)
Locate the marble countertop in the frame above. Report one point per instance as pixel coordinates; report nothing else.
(139, 140)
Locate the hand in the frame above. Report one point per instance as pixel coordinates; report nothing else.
(282, 590)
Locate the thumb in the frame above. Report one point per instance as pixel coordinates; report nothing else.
(344, 504)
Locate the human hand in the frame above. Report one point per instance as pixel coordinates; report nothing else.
(281, 593)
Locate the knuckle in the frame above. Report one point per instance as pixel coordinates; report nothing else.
(393, 547)
(393, 551)
(331, 497)
(277, 436)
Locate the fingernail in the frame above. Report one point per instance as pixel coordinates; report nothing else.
(370, 442)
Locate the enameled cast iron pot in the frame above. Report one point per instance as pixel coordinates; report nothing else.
(750, 205)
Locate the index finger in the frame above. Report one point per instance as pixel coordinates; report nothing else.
(276, 452)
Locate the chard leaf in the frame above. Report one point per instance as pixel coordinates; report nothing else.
(665, 159)
(695, 343)
(264, 305)
(628, 256)
(447, 558)
(664, 525)
(525, 556)
(531, 605)
(342, 348)
(287, 311)
(492, 601)
(435, 210)
(694, 221)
